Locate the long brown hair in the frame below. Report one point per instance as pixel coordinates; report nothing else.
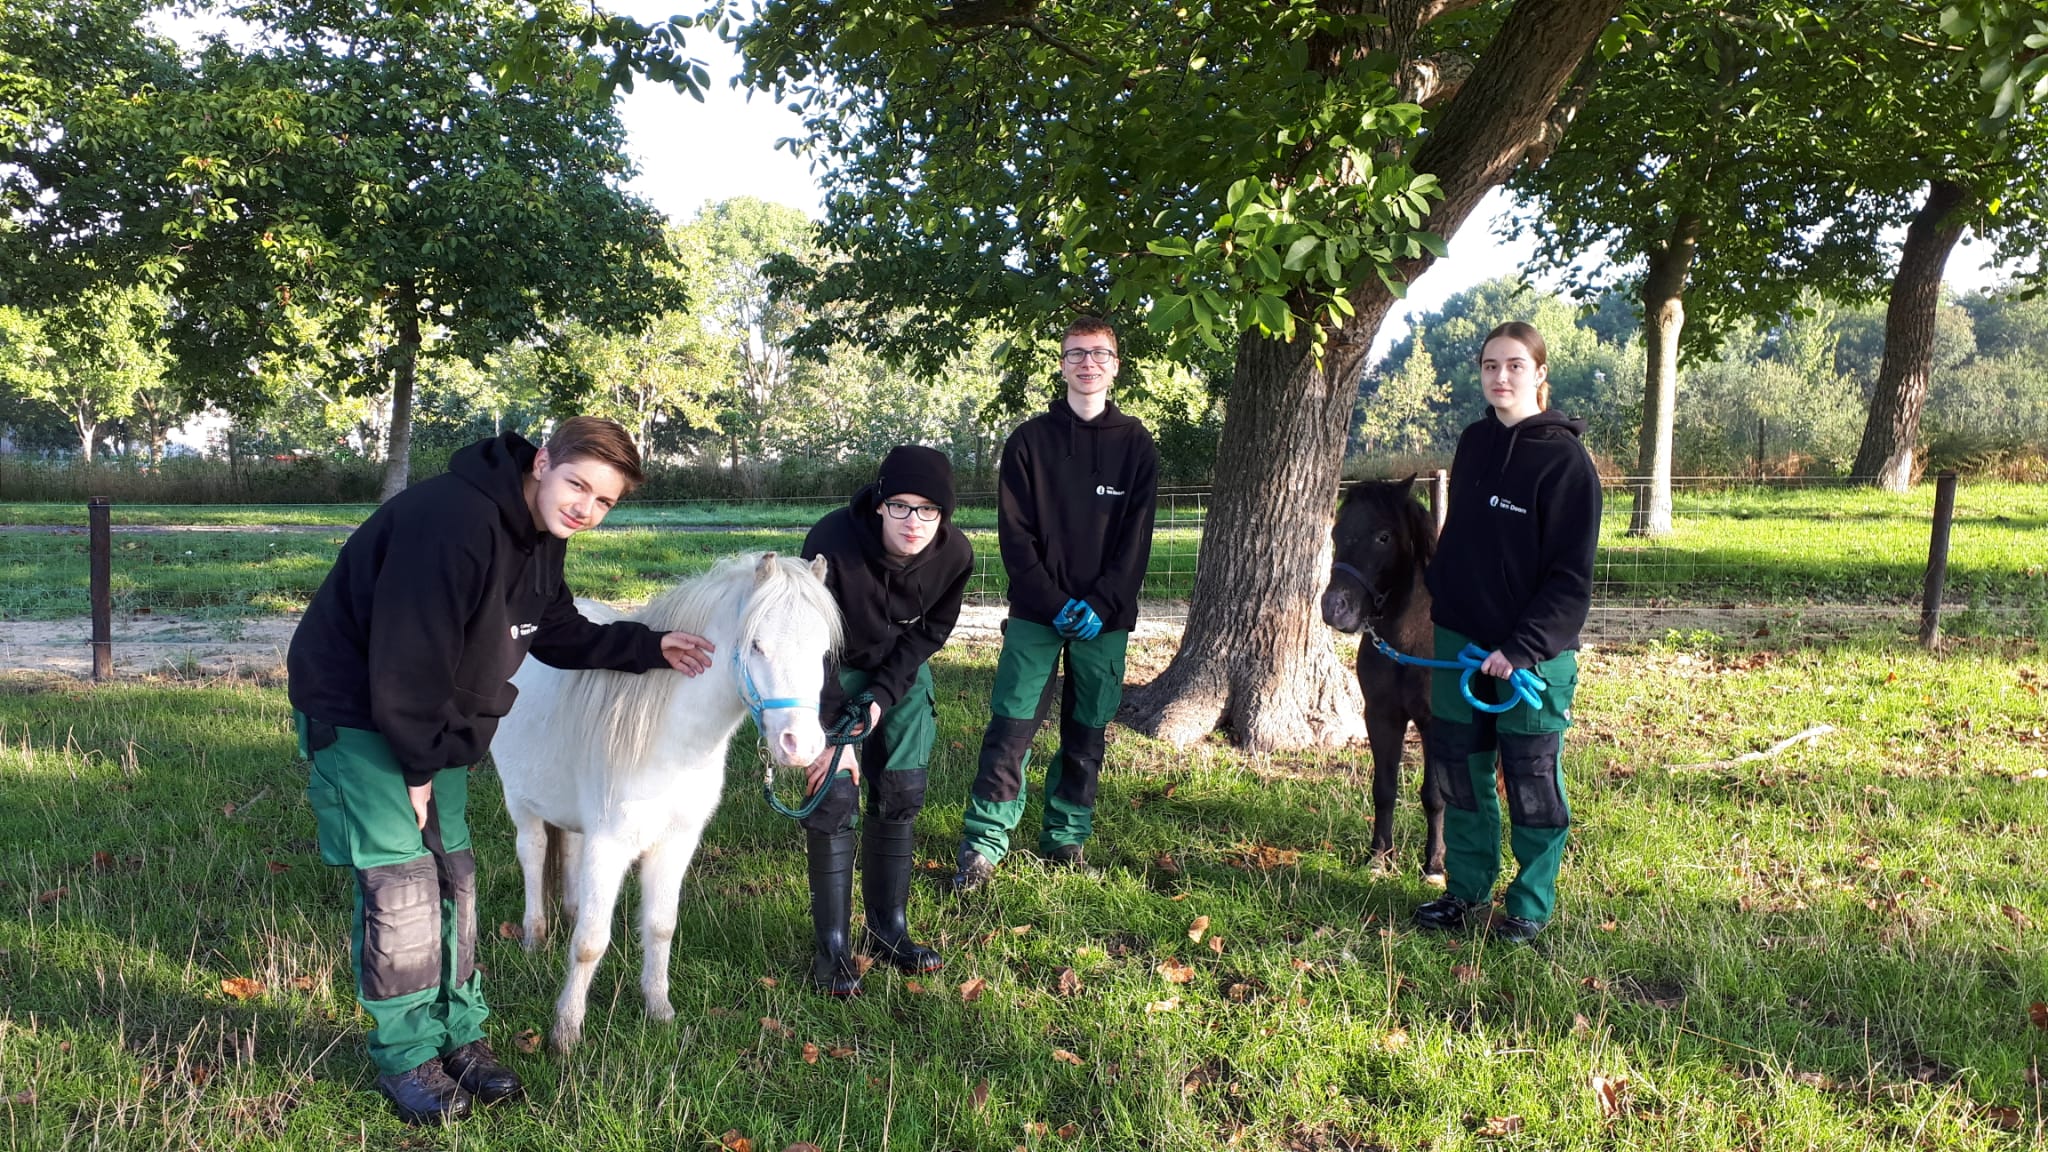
(1528, 337)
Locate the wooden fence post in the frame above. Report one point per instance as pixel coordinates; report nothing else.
(1937, 560)
(1440, 497)
(99, 519)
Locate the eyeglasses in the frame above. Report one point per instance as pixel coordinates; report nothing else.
(898, 510)
(1077, 355)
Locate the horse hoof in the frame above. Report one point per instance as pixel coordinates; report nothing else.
(1382, 866)
(1433, 879)
(661, 1011)
(533, 935)
(563, 1039)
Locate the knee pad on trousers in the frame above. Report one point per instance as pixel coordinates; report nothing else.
(1081, 772)
(835, 812)
(1529, 764)
(1450, 749)
(458, 886)
(401, 928)
(1000, 777)
(897, 795)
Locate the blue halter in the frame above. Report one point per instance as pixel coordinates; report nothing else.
(751, 696)
(851, 728)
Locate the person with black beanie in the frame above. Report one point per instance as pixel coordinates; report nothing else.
(898, 569)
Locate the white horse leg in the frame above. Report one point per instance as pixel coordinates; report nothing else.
(598, 877)
(572, 873)
(533, 863)
(661, 886)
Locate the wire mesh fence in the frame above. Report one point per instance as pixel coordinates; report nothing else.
(195, 585)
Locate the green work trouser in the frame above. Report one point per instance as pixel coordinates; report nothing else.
(413, 945)
(893, 759)
(1093, 688)
(1527, 744)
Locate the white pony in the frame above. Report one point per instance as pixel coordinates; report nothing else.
(630, 768)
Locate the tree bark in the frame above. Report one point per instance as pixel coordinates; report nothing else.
(405, 361)
(1663, 323)
(1254, 654)
(1885, 458)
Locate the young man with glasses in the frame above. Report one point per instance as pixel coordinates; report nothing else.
(1077, 488)
(897, 568)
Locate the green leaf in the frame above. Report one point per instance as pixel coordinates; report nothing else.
(1298, 254)
(1173, 246)
(1435, 243)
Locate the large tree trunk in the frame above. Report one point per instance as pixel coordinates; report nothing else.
(1885, 457)
(1254, 654)
(405, 362)
(88, 433)
(1663, 323)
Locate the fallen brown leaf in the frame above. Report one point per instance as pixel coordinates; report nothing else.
(1066, 1057)
(1216, 945)
(913, 987)
(1166, 863)
(1069, 1130)
(980, 1095)
(810, 1052)
(507, 930)
(1170, 1004)
(839, 1053)
(2006, 1119)
(1499, 1126)
(1069, 982)
(772, 1025)
(1395, 1040)
(732, 1141)
(527, 1041)
(25, 1097)
(2013, 914)
(1037, 1128)
(227, 809)
(277, 868)
(1607, 1094)
(768, 981)
(1465, 973)
(242, 987)
(303, 983)
(53, 895)
(1021, 930)
(2038, 1013)
(1173, 971)
(971, 990)
(1198, 929)
(102, 861)
(1581, 1027)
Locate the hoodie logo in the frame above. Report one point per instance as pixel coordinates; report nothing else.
(1510, 505)
(521, 631)
(1106, 490)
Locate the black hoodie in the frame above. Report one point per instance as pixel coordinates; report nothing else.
(898, 611)
(431, 606)
(1514, 567)
(1075, 514)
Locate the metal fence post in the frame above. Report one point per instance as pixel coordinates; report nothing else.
(1439, 497)
(1937, 560)
(98, 517)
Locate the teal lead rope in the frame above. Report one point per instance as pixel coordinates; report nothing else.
(1527, 686)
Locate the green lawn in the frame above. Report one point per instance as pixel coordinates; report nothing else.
(1836, 948)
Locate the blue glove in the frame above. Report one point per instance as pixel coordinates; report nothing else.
(1078, 621)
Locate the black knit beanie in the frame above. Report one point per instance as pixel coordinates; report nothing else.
(918, 471)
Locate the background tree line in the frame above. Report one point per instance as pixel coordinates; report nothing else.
(1783, 397)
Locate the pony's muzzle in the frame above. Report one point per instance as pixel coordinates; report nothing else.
(794, 737)
(1341, 608)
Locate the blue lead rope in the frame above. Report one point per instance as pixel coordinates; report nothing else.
(1527, 685)
(851, 728)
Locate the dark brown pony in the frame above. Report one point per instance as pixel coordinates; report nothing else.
(1384, 539)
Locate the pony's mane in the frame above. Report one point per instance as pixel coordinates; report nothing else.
(1409, 518)
(624, 711)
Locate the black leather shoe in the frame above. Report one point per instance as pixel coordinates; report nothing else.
(974, 872)
(425, 1095)
(476, 1068)
(831, 870)
(1444, 914)
(888, 851)
(1513, 929)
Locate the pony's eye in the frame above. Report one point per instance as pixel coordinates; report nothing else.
(758, 650)
(1384, 538)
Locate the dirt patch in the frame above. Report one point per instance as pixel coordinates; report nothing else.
(147, 645)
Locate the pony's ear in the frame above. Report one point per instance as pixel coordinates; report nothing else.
(764, 568)
(818, 567)
(1408, 485)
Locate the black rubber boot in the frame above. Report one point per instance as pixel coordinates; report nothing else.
(476, 1068)
(425, 1095)
(887, 854)
(832, 967)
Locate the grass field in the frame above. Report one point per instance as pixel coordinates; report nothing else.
(1838, 948)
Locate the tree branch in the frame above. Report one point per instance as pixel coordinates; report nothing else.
(1019, 14)
(1442, 8)
(1561, 116)
(1433, 80)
